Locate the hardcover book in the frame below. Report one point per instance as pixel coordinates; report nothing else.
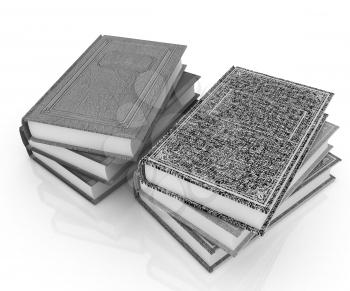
(92, 189)
(209, 255)
(106, 101)
(219, 229)
(228, 236)
(106, 168)
(236, 153)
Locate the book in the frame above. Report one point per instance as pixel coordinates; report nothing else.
(236, 153)
(86, 185)
(320, 148)
(213, 257)
(228, 236)
(220, 229)
(105, 168)
(108, 99)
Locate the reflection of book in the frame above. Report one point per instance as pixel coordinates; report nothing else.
(316, 181)
(111, 223)
(108, 99)
(242, 145)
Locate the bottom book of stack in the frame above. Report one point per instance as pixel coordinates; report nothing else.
(205, 250)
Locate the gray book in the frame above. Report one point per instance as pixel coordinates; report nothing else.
(236, 153)
(105, 168)
(87, 186)
(211, 257)
(108, 99)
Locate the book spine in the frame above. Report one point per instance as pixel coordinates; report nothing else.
(25, 137)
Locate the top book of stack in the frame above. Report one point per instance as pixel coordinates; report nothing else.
(236, 153)
(107, 101)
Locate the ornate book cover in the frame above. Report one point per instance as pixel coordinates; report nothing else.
(244, 141)
(238, 234)
(114, 88)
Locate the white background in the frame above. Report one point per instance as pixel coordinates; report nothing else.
(51, 239)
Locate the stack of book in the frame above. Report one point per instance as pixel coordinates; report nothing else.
(112, 104)
(216, 172)
(248, 153)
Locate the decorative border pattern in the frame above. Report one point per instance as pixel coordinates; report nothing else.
(149, 159)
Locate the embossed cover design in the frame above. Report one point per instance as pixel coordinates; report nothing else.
(112, 89)
(244, 138)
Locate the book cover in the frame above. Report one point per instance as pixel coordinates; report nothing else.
(113, 89)
(83, 178)
(243, 141)
(181, 98)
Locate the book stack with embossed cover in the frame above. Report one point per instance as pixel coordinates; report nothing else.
(250, 151)
(93, 124)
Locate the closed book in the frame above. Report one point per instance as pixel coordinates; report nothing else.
(106, 168)
(92, 189)
(107, 100)
(236, 153)
(228, 236)
(212, 257)
(225, 234)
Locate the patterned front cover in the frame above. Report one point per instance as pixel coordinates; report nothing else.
(112, 89)
(245, 137)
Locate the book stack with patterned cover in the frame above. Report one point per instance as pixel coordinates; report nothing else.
(216, 172)
(94, 123)
(249, 152)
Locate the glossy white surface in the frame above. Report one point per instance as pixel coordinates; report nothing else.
(51, 239)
